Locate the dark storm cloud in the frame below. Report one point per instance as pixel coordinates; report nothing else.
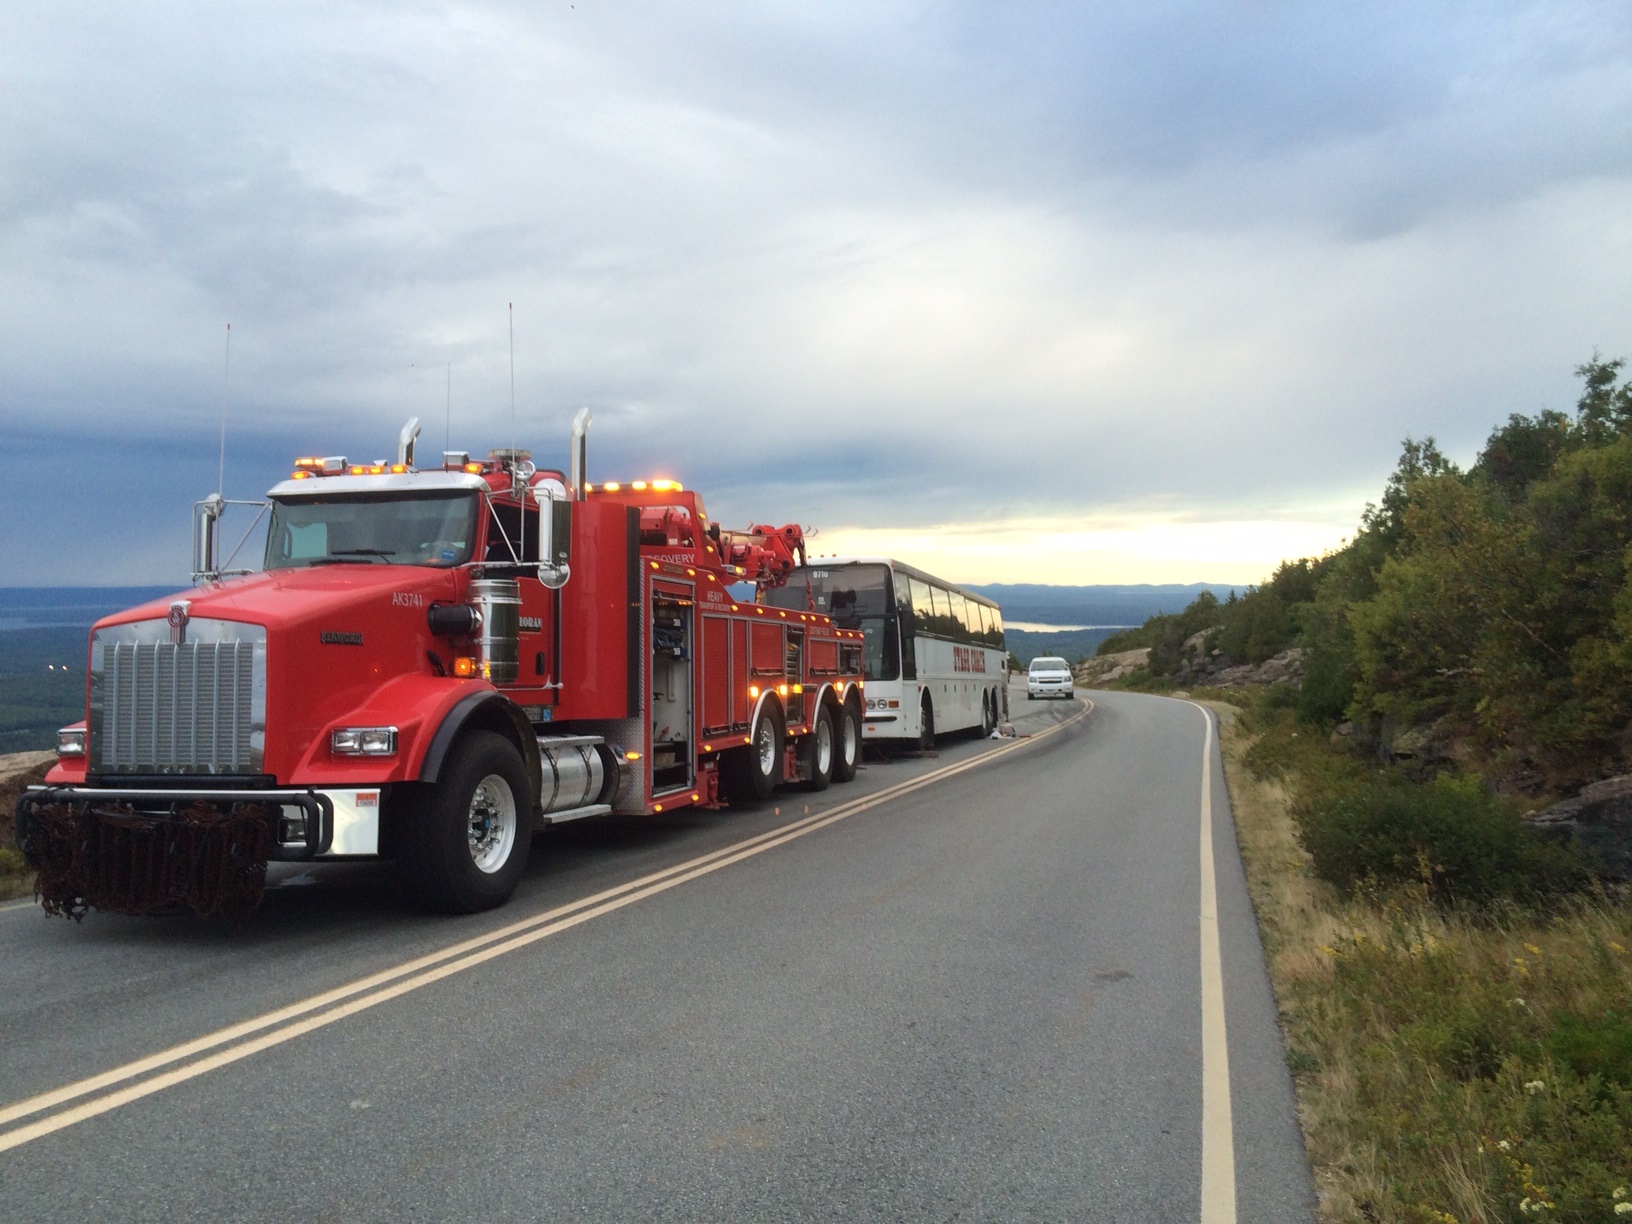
(854, 264)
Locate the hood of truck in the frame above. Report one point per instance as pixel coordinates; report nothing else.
(285, 598)
(334, 635)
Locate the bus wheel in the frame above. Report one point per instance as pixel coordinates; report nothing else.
(469, 837)
(752, 772)
(817, 752)
(926, 728)
(847, 757)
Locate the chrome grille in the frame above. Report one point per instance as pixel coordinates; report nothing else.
(191, 707)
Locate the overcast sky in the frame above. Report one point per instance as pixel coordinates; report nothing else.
(1023, 292)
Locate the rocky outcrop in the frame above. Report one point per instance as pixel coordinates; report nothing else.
(1107, 669)
(1598, 821)
(1215, 670)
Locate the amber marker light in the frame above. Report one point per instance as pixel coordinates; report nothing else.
(298, 475)
(398, 469)
(475, 469)
(464, 667)
(657, 807)
(782, 689)
(357, 469)
(753, 691)
(611, 486)
(639, 486)
(694, 798)
(631, 756)
(798, 688)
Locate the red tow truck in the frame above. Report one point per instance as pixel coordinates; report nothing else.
(432, 664)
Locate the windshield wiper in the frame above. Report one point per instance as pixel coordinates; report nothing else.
(341, 555)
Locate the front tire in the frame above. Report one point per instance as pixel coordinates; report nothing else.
(469, 839)
(926, 728)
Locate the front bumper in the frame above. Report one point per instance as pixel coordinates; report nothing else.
(143, 850)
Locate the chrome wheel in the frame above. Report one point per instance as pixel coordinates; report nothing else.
(824, 745)
(492, 823)
(765, 746)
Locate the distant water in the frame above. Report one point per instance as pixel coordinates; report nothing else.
(1042, 627)
(68, 607)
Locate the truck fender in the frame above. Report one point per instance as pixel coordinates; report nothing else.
(759, 707)
(489, 711)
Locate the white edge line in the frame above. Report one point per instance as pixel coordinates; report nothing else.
(435, 966)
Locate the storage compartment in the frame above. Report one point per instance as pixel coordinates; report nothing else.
(672, 754)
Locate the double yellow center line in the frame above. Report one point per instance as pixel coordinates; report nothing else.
(89, 1098)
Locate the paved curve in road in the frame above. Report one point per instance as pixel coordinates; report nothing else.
(976, 996)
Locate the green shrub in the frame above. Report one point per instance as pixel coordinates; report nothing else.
(1595, 1045)
(1450, 834)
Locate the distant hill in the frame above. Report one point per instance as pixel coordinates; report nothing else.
(1092, 605)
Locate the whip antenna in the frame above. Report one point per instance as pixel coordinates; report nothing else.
(512, 308)
(447, 420)
(226, 388)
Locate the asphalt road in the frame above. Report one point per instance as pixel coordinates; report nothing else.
(977, 996)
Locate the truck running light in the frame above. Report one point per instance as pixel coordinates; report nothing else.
(611, 486)
(753, 691)
(363, 741)
(638, 486)
(464, 667)
(475, 469)
(71, 742)
(631, 756)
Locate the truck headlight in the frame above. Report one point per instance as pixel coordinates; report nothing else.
(363, 741)
(71, 742)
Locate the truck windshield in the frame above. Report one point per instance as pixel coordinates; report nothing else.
(856, 597)
(429, 528)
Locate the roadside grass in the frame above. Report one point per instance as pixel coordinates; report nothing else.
(1453, 1062)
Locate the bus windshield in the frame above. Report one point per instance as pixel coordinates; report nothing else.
(431, 528)
(856, 597)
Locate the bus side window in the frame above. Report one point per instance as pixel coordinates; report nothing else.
(902, 596)
(960, 617)
(923, 611)
(941, 621)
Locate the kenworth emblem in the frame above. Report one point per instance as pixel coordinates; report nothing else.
(178, 621)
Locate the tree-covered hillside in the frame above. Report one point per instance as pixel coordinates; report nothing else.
(1491, 605)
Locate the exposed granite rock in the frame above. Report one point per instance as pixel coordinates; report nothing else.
(1218, 671)
(1598, 820)
(1107, 669)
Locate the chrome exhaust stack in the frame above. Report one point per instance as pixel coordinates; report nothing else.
(405, 443)
(580, 453)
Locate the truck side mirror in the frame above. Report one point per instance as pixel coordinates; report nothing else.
(555, 530)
